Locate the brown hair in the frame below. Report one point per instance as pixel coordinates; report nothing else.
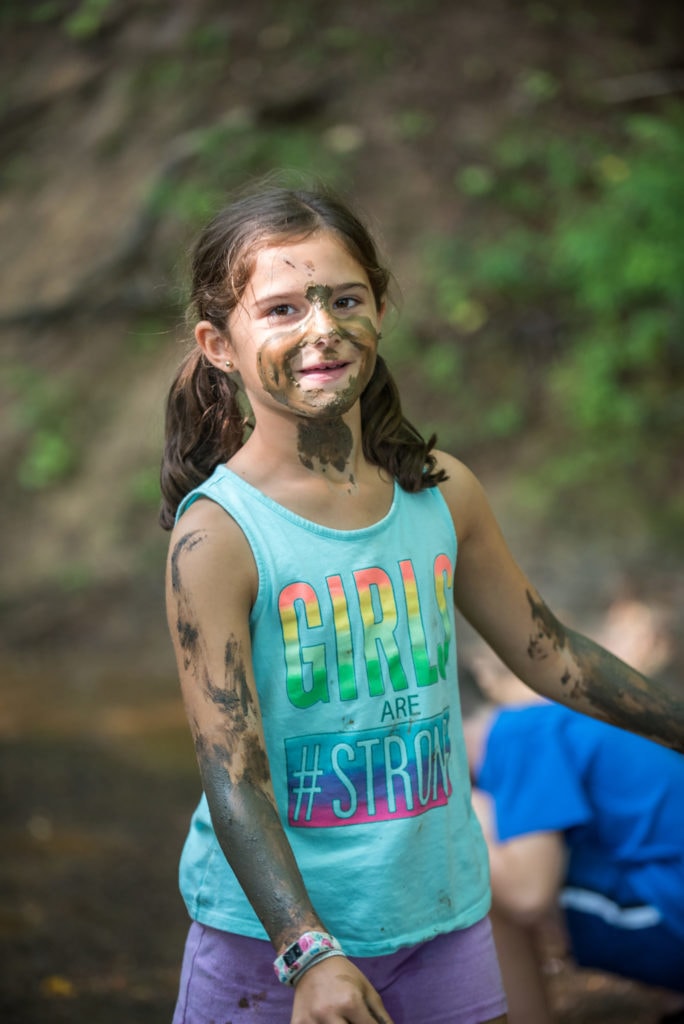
(205, 418)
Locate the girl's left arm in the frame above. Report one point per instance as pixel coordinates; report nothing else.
(499, 601)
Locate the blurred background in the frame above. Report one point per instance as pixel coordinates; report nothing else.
(521, 161)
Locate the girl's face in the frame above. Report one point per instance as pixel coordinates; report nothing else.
(305, 334)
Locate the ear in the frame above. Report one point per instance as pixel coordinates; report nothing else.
(216, 347)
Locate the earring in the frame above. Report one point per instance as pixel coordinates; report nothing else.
(229, 365)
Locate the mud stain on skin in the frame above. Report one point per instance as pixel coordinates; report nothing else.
(248, 827)
(187, 629)
(232, 698)
(188, 638)
(256, 762)
(616, 692)
(235, 666)
(328, 443)
(574, 684)
(227, 702)
(547, 629)
(186, 543)
(319, 294)
(275, 358)
(550, 636)
(622, 696)
(235, 772)
(274, 376)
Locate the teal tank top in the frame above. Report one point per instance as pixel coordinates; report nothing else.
(354, 649)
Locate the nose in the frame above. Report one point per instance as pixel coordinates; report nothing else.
(323, 324)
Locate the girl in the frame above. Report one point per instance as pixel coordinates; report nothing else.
(312, 577)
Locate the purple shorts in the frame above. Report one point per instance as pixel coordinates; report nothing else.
(452, 979)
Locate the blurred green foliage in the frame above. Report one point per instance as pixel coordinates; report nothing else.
(575, 276)
(232, 153)
(86, 20)
(551, 320)
(41, 405)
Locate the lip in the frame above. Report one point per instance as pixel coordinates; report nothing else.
(323, 371)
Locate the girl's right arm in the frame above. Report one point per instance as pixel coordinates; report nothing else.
(211, 585)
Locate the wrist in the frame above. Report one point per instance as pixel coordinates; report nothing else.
(309, 949)
(314, 963)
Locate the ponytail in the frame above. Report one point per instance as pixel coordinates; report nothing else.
(205, 426)
(390, 441)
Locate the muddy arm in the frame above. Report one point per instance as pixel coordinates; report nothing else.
(499, 601)
(211, 581)
(211, 585)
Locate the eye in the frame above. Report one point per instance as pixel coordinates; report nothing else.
(281, 310)
(347, 302)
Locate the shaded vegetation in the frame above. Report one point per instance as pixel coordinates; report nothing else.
(543, 312)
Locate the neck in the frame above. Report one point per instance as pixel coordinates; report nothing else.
(326, 447)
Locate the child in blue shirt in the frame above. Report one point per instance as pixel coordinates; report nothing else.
(588, 819)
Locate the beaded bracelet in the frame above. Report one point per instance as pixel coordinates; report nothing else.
(301, 955)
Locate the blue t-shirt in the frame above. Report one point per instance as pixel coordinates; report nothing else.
(354, 654)
(617, 798)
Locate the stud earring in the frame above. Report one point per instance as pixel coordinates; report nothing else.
(229, 365)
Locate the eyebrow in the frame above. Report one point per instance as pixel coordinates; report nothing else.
(351, 284)
(266, 300)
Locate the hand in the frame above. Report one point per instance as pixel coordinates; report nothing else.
(336, 992)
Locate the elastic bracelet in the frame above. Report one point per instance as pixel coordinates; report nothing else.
(314, 963)
(301, 954)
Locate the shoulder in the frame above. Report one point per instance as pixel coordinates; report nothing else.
(208, 550)
(457, 472)
(462, 492)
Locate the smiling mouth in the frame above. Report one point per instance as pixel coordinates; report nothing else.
(323, 368)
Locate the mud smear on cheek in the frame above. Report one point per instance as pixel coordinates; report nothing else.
(364, 337)
(273, 366)
(362, 327)
(358, 330)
